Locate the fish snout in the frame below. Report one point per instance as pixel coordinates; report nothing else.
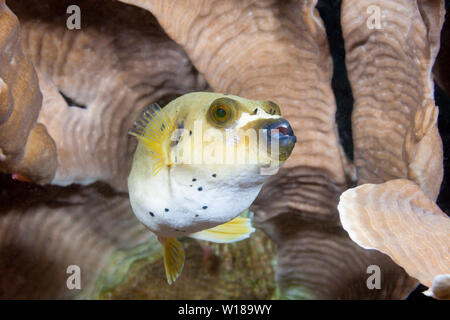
(281, 131)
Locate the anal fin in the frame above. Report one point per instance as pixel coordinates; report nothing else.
(173, 259)
(235, 230)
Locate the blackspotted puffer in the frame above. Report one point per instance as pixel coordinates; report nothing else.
(200, 162)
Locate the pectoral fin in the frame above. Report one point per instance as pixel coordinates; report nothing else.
(235, 230)
(173, 258)
(152, 128)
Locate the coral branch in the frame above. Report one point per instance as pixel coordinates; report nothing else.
(25, 147)
(389, 63)
(399, 219)
(96, 80)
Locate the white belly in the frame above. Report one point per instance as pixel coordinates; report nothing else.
(188, 198)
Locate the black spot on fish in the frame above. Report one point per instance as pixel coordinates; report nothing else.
(176, 230)
(200, 189)
(166, 210)
(255, 111)
(190, 132)
(205, 207)
(151, 213)
(194, 179)
(214, 175)
(190, 185)
(196, 215)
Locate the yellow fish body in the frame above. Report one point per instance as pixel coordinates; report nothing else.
(199, 163)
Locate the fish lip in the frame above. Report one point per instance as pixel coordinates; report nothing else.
(285, 135)
(286, 138)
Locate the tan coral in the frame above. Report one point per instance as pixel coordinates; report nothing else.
(440, 288)
(264, 49)
(395, 132)
(423, 150)
(53, 228)
(111, 69)
(95, 229)
(5, 102)
(399, 219)
(389, 67)
(25, 147)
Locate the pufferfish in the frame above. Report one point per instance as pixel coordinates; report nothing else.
(186, 178)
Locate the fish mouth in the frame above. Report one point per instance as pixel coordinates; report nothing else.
(280, 136)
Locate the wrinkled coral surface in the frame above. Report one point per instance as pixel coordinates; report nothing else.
(127, 54)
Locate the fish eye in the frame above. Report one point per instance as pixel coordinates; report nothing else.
(271, 108)
(222, 112)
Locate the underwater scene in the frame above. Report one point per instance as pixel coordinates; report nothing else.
(224, 150)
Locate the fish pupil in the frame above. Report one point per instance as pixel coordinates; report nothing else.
(220, 112)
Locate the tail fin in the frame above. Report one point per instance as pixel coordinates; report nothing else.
(235, 230)
(173, 258)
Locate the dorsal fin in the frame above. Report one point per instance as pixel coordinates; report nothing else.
(152, 128)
